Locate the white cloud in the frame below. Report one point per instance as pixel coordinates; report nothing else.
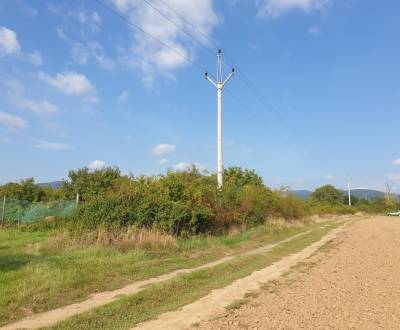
(9, 44)
(92, 20)
(394, 177)
(61, 33)
(330, 177)
(123, 98)
(53, 146)
(163, 161)
(97, 165)
(314, 30)
(35, 58)
(163, 149)
(71, 83)
(81, 54)
(183, 166)
(153, 58)
(96, 21)
(276, 8)
(12, 121)
(79, 15)
(40, 107)
(16, 91)
(396, 162)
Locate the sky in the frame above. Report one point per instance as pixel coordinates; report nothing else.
(121, 82)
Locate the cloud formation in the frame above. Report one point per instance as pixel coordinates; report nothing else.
(53, 146)
(163, 149)
(83, 53)
(9, 44)
(396, 162)
(12, 121)
(40, 107)
(71, 83)
(184, 166)
(97, 165)
(276, 8)
(35, 58)
(16, 93)
(153, 58)
(123, 98)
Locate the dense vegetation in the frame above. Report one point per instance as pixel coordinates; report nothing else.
(179, 203)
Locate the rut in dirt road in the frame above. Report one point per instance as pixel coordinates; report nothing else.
(355, 285)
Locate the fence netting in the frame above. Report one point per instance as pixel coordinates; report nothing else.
(25, 212)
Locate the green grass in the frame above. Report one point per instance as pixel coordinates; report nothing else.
(34, 278)
(170, 295)
(236, 304)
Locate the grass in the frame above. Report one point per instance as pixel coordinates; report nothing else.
(173, 294)
(36, 275)
(236, 304)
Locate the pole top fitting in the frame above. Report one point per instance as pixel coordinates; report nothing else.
(233, 70)
(205, 75)
(219, 51)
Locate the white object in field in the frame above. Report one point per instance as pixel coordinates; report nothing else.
(219, 85)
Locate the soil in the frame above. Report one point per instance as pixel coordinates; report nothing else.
(214, 304)
(354, 283)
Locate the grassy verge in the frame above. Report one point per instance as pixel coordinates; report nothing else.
(170, 295)
(36, 277)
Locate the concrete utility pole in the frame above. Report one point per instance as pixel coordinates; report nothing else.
(349, 192)
(219, 84)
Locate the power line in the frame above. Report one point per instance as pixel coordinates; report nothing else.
(186, 58)
(242, 76)
(178, 26)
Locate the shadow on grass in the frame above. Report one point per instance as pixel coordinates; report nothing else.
(14, 262)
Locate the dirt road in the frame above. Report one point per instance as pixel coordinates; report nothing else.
(354, 284)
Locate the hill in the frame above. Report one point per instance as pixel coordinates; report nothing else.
(368, 194)
(54, 184)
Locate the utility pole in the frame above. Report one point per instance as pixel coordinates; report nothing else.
(349, 192)
(219, 84)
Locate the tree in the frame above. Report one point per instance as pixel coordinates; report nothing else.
(328, 194)
(240, 177)
(89, 183)
(25, 190)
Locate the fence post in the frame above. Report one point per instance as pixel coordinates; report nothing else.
(77, 198)
(3, 213)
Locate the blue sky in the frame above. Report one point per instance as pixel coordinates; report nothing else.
(81, 87)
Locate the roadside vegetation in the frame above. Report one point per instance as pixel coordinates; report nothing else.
(128, 228)
(184, 289)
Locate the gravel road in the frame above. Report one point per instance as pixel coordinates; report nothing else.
(354, 283)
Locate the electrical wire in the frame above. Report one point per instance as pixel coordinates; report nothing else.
(131, 23)
(242, 76)
(209, 49)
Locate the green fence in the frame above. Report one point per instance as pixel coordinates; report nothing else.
(25, 212)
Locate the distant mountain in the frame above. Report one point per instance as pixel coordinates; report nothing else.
(303, 194)
(368, 194)
(54, 184)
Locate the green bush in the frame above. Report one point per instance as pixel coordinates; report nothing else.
(179, 203)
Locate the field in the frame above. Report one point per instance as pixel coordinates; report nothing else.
(38, 273)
